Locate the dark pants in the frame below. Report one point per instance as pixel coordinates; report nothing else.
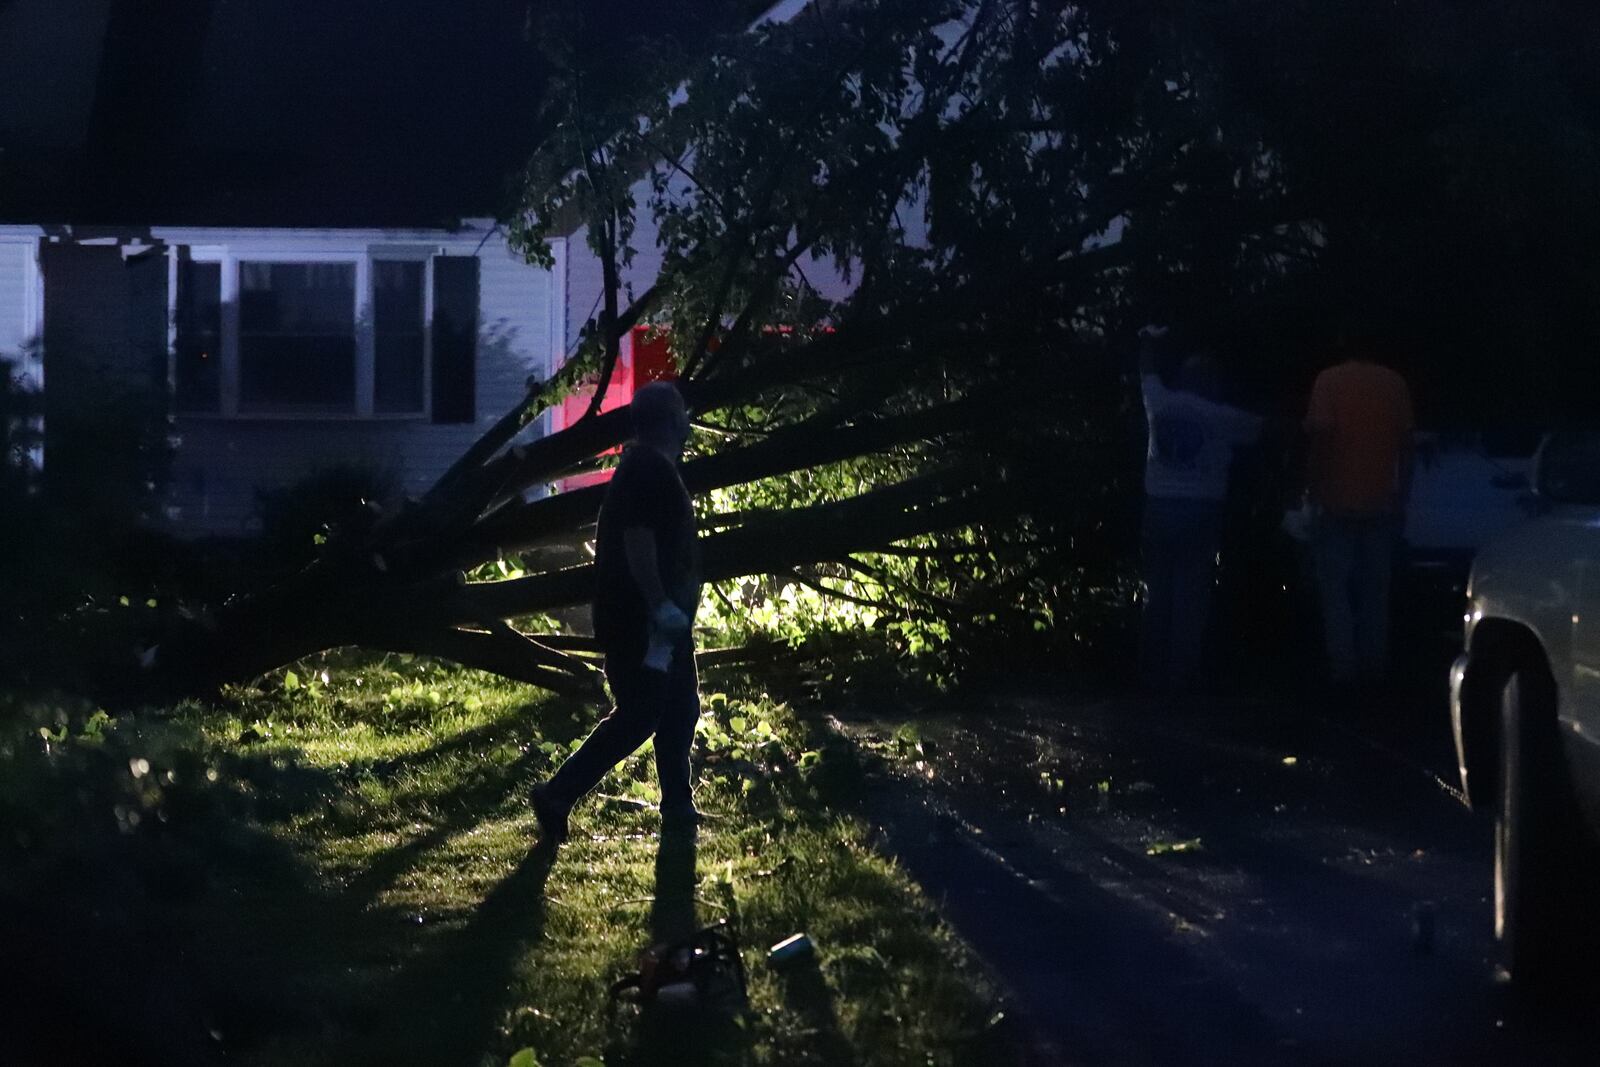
(1180, 543)
(1354, 558)
(647, 702)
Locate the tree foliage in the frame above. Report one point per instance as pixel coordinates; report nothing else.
(898, 243)
(947, 207)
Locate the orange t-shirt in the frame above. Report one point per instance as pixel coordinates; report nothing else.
(1361, 422)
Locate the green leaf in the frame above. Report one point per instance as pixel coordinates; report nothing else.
(908, 735)
(96, 725)
(526, 1058)
(291, 681)
(1161, 848)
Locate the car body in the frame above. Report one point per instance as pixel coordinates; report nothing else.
(1525, 693)
(1535, 590)
(1465, 490)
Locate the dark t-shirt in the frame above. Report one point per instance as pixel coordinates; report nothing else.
(645, 492)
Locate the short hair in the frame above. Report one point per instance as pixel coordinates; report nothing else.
(656, 408)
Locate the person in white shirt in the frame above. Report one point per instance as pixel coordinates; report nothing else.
(1192, 438)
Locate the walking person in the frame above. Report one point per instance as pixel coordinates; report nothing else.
(1360, 424)
(647, 590)
(1192, 438)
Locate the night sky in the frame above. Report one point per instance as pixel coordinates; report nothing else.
(280, 112)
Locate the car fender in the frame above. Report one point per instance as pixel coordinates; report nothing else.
(1521, 599)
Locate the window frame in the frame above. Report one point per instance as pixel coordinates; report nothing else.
(364, 312)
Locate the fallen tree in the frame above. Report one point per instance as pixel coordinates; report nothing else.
(898, 241)
(985, 183)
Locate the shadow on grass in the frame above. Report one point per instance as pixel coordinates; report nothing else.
(712, 1032)
(557, 718)
(176, 942)
(204, 935)
(512, 725)
(672, 910)
(448, 1005)
(806, 993)
(465, 804)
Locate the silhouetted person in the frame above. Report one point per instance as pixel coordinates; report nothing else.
(1360, 425)
(647, 589)
(1192, 439)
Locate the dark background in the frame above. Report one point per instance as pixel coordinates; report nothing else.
(290, 112)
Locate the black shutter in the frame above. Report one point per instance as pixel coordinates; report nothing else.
(455, 338)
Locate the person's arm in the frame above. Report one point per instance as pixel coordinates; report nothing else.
(1319, 439)
(644, 564)
(1151, 386)
(1406, 461)
(644, 567)
(636, 499)
(1240, 426)
(1147, 349)
(1319, 458)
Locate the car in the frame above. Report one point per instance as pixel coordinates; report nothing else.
(1525, 707)
(1465, 490)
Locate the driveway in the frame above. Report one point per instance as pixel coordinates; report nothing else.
(1235, 882)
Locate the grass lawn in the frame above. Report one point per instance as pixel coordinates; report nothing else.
(336, 868)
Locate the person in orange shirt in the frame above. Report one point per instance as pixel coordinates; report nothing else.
(1360, 424)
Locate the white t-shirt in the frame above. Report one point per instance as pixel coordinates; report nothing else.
(1191, 442)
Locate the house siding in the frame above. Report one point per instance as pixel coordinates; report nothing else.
(221, 466)
(17, 328)
(586, 278)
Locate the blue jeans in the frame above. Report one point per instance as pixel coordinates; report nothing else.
(1354, 556)
(1180, 542)
(647, 702)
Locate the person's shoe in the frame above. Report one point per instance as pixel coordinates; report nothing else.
(552, 816)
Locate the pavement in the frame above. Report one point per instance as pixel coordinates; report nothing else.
(1240, 881)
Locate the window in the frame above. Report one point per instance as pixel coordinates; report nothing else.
(297, 337)
(399, 336)
(455, 338)
(197, 351)
(388, 333)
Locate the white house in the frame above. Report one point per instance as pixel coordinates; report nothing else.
(322, 305)
(284, 351)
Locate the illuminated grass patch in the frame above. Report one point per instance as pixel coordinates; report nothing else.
(391, 909)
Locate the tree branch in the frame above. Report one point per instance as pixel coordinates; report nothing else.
(936, 501)
(810, 444)
(499, 650)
